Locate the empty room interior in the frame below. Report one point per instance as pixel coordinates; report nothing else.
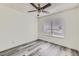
(39, 29)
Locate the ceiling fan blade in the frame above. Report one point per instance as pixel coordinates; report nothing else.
(47, 5)
(32, 11)
(45, 11)
(34, 5)
(39, 5)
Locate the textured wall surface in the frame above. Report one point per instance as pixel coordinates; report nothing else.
(70, 18)
(16, 28)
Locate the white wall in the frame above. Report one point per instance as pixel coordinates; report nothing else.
(71, 19)
(16, 28)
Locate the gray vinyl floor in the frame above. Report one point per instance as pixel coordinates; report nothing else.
(40, 48)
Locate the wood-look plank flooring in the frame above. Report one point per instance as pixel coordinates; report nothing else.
(40, 48)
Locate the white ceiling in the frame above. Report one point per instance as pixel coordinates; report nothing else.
(25, 7)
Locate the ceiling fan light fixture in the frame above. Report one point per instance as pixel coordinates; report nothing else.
(40, 9)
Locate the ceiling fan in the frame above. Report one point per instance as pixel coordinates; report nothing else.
(39, 8)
